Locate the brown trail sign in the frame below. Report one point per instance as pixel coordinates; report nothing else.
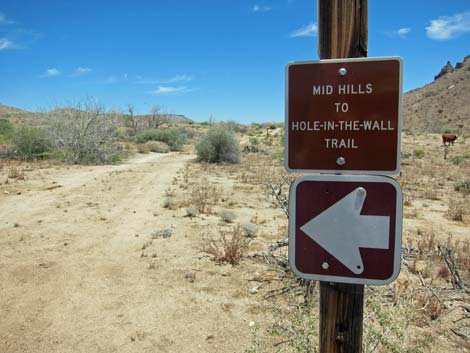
(344, 116)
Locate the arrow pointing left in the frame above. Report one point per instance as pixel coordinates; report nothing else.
(342, 230)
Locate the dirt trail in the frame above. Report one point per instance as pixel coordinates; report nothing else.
(74, 276)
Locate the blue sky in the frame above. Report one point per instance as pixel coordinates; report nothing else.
(199, 58)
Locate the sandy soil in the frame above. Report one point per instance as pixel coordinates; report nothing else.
(79, 271)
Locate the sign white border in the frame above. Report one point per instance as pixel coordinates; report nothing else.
(346, 179)
(345, 171)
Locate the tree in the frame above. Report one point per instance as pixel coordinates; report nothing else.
(84, 132)
(131, 120)
(155, 119)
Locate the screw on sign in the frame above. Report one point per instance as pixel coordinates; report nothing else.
(345, 228)
(344, 115)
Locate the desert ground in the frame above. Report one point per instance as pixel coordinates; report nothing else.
(118, 258)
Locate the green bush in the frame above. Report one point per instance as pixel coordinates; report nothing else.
(219, 145)
(6, 130)
(30, 143)
(418, 153)
(174, 138)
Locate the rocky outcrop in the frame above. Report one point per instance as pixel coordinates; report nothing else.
(445, 70)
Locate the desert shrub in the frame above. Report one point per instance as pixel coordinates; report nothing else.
(219, 145)
(173, 137)
(227, 216)
(169, 204)
(6, 130)
(418, 153)
(189, 133)
(191, 212)
(230, 248)
(236, 127)
(458, 211)
(54, 155)
(463, 186)
(30, 142)
(157, 146)
(249, 229)
(15, 173)
(142, 148)
(204, 196)
(84, 132)
(460, 159)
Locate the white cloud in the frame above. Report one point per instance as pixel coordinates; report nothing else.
(5, 43)
(4, 20)
(309, 30)
(402, 32)
(171, 89)
(51, 73)
(448, 27)
(179, 78)
(261, 8)
(80, 71)
(174, 79)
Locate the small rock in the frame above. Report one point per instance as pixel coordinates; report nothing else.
(254, 290)
(251, 324)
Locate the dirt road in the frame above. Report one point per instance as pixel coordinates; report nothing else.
(79, 271)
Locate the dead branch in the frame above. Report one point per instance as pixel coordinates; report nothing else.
(460, 334)
(279, 244)
(281, 199)
(281, 342)
(448, 257)
(431, 289)
(273, 259)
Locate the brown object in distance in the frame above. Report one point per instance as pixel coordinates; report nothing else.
(448, 139)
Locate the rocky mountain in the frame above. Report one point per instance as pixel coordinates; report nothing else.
(443, 105)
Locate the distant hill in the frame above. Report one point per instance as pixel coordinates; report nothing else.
(5, 110)
(171, 118)
(442, 105)
(16, 115)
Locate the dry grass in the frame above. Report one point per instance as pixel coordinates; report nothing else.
(204, 196)
(15, 172)
(458, 211)
(229, 248)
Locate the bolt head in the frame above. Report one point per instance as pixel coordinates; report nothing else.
(342, 71)
(341, 161)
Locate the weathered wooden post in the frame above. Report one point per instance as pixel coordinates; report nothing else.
(342, 33)
(344, 118)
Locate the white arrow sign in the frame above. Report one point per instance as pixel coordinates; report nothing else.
(328, 230)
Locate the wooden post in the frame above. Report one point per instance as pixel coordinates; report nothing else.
(342, 31)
